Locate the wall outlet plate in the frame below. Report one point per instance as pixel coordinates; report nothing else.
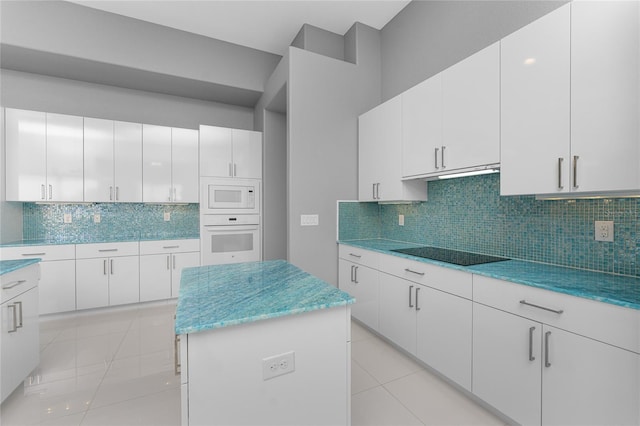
(96, 218)
(604, 230)
(66, 218)
(167, 216)
(278, 365)
(401, 219)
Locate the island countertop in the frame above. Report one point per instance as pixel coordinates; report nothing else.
(218, 296)
(7, 266)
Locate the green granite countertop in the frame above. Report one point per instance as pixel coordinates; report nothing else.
(224, 295)
(7, 266)
(608, 288)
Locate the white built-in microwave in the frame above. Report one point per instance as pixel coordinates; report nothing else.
(229, 196)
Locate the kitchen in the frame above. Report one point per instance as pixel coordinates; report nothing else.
(311, 113)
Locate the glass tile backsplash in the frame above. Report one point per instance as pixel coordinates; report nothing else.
(469, 214)
(117, 221)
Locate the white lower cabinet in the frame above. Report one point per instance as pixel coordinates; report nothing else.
(57, 286)
(20, 338)
(161, 264)
(398, 311)
(360, 282)
(107, 274)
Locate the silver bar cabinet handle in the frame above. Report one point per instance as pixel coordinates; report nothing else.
(170, 247)
(378, 190)
(355, 275)
(355, 255)
(410, 300)
(13, 284)
(555, 311)
(546, 349)
(373, 191)
(50, 192)
(230, 170)
(168, 267)
(560, 160)
(111, 193)
(575, 171)
(107, 250)
(442, 155)
(417, 303)
(34, 254)
(117, 193)
(20, 315)
(104, 267)
(235, 169)
(15, 319)
(436, 157)
(176, 355)
(531, 357)
(42, 192)
(174, 261)
(111, 266)
(414, 272)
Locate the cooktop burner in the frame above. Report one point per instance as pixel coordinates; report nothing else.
(462, 258)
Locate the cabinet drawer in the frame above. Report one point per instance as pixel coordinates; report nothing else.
(438, 277)
(44, 252)
(607, 323)
(86, 251)
(169, 246)
(359, 256)
(18, 282)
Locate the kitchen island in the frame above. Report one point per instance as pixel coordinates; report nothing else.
(263, 343)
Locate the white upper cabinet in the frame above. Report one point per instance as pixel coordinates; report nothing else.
(170, 165)
(605, 95)
(127, 174)
(226, 152)
(471, 111)
(570, 114)
(380, 156)
(112, 161)
(26, 149)
(422, 128)
(535, 120)
(44, 156)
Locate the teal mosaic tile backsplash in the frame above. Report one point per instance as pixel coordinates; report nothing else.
(469, 214)
(117, 221)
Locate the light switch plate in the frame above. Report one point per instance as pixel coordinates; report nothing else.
(309, 220)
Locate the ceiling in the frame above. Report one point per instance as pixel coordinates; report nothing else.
(268, 25)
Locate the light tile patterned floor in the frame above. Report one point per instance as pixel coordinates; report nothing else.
(115, 367)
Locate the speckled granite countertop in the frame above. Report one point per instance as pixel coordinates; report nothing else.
(89, 240)
(7, 266)
(614, 289)
(223, 295)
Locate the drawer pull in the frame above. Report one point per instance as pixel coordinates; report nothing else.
(414, 272)
(170, 247)
(15, 319)
(20, 316)
(106, 250)
(176, 356)
(555, 311)
(417, 305)
(33, 254)
(410, 301)
(531, 357)
(546, 349)
(355, 255)
(355, 275)
(13, 284)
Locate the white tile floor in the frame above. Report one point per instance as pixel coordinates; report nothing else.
(115, 367)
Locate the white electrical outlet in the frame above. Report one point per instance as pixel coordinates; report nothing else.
(401, 219)
(66, 218)
(278, 365)
(167, 216)
(309, 220)
(604, 230)
(96, 218)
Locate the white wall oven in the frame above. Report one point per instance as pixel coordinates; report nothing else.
(229, 196)
(229, 238)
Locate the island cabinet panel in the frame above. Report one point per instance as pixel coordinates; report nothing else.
(228, 387)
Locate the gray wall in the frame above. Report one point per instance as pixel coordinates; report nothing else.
(274, 186)
(427, 37)
(50, 94)
(325, 97)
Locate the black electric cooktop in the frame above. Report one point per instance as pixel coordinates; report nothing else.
(462, 258)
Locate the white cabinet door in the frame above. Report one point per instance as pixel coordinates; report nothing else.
(156, 164)
(127, 144)
(588, 382)
(216, 151)
(26, 150)
(92, 283)
(535, 102)
(397, 311)
(65, 170)
(422, 127)
(179, 261)
(247, 154)
(184, 165)
(507, 362)
(57, 287)
(605, 94)
(362, 283)
(124, 280)
(155, 277)
(471, 111)
(98, 160)
(444, 334)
